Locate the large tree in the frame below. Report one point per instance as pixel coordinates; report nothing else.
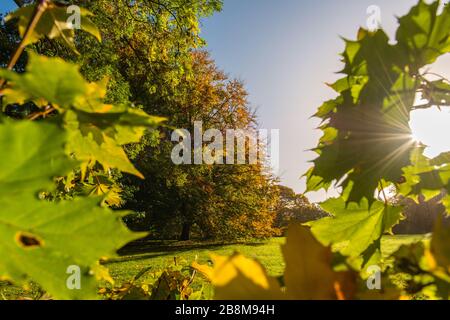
(292, 207)
(219, 201)
(145, 53)
(157, 62)
(150, 54)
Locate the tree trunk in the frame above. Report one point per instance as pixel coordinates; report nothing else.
(186, 232)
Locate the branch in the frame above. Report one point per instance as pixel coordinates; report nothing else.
(40, 9)
(44, 113)
(383, 193)
(19, 3)
(428, 105)
(437, 75)
(423, 106)
(170, 11)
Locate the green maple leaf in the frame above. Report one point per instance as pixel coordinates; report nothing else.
(101, 185)
(40, 240)
(97, 131)
(32, 155)
(366, 129)
(437, 93)
(440, 245)
(426, 177)
(46, 80)
(357, 227)
(424, 34)
(54, 24)
(367, 137)
(95, 137)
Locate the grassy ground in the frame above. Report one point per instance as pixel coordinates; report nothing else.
(159, 256)
(268, 253)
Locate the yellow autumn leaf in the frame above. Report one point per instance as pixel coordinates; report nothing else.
(207, 271)
(440, 245)
(92, 101)
(240, 278)
(102, 273)
(309, 274)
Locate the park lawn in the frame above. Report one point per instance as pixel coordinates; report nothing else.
(268, 253)
(124, 268)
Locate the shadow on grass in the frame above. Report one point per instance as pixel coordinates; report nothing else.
(145, 249)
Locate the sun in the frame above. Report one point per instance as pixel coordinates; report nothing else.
(432, 128)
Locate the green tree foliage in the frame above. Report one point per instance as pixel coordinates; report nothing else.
(421, 216)
(43, 239)
(9, 39)
(151, 62)
(292, 207)
(145, 59)
(146, 49)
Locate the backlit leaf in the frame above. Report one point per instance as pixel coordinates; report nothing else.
(55, 23)
(356, 227)
(309, 274)
(46, 241)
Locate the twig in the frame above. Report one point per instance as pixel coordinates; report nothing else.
(40, 9)
(383, 193)
(19, 3)
(437, 75)
(36, 115)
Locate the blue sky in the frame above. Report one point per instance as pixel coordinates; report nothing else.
(7, 5)
(285, 51)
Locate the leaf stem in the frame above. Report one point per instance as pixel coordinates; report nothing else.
(39, 114)
(40, 9)
(383, 193)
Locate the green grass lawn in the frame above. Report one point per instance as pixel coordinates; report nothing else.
(268, 253)
(159, 257)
